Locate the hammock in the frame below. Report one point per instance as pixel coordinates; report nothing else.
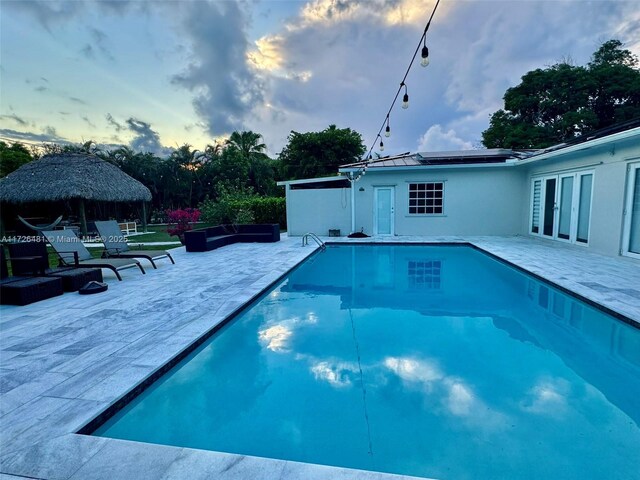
(41, 228)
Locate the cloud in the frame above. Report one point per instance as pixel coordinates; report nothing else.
(275, 338)
(548, 397)
(87, 51)
(48, 12)
(48, 135)
(119, 127)
(146, 139)
(77, 100)
(88, 122)
(225, 88)
(436, 139)
(100, 39)
(455, 396)
(336, 373)
(51, 13)
(20, 121)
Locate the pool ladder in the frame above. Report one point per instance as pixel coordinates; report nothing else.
(305, 240)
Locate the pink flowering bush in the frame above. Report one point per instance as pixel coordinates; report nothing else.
(182, 220)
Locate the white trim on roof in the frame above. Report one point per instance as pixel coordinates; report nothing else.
(589, 144)
(311, 180)
(373, 168)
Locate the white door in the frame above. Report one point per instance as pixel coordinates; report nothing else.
(631, 237)
(549, 206)
(561, 206)
(566, 207)
(383, 199)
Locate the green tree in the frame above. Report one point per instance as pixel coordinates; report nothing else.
(563, 101)
(13, 157)
(250, 150)
(315, 154)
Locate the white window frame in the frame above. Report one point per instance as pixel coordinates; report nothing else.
(633, 169)
(408, 206)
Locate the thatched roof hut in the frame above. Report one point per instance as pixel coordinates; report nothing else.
(71, 176)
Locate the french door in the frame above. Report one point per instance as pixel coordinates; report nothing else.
(561, 206)
(631, 236)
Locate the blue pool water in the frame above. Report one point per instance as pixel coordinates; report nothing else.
(431, 361)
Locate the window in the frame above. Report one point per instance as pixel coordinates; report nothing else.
(426, 198)
(424, 274)
(535, 215)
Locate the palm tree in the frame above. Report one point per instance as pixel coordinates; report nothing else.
(251, 150)
(247, 144)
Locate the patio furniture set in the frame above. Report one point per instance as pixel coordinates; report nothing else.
(34, 280)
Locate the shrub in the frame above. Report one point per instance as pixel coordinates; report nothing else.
(181, 221)
(239, 209)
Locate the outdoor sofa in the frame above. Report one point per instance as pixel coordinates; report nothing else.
(31, 258)
(210, 238)
(17, 290)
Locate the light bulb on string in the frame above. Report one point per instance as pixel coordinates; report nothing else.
(381, 146)
(405, 97)
(425, 54)
(387, 130)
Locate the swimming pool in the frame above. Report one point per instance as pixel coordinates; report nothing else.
(431, 361)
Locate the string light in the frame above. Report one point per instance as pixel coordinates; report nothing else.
(422, 47)
(425, 54)
(405, 98)
(381, 144)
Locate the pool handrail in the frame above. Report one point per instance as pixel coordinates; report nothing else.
(305, 240)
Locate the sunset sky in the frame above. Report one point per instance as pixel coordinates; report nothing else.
(154, 75)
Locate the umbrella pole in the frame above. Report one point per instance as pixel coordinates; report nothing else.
(83, 217)
(144, 217)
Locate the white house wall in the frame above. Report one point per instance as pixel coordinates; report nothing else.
(609, 164)
(318, 211)
(477, 201)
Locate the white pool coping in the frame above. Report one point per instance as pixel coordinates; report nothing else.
(65, 360)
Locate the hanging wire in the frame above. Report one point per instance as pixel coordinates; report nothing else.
(423, 39)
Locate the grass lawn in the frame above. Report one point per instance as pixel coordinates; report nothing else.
(158, 233)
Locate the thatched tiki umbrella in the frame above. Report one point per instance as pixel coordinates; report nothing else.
(72, 176)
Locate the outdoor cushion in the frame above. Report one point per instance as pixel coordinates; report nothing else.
(209, 238)
(24, 290)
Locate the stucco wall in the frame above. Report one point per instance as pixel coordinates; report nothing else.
(609, 164)
(477, 201)
(318, 211)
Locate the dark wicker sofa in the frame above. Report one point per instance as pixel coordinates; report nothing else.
(31, 258)
(205, 239)
(16, 290)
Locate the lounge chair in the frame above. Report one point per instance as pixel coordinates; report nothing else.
(115, 244)
(73, 253)
(32, 258)
(15, 290)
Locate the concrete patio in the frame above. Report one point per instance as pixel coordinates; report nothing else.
(65, 360)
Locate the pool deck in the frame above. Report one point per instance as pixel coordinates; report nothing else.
(65, 360)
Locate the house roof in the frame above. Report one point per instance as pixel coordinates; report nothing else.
(335, 178)
(460, 157)
(500, 156)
